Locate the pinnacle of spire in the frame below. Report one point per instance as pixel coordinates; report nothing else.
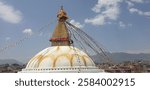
(62, 15)
(62, 8)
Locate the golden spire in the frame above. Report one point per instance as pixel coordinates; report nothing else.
(62, 15)
(60, 35)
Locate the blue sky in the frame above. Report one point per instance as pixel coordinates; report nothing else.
(118, 25)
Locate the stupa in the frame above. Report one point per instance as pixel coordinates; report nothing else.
(62, 56)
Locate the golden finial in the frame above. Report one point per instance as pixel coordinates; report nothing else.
(62, 15)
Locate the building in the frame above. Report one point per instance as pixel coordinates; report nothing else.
(62, 56)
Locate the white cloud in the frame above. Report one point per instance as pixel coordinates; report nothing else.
(9, 14)
(130, 4)
(27, 31)
(77, 24)
(7, 38)
(137, 1)
(134, 10)
(124, 25)
(121, 24)
(107, 10)
(98, 20)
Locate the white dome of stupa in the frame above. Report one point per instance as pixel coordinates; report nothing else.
(61, 59)
(60, 56)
